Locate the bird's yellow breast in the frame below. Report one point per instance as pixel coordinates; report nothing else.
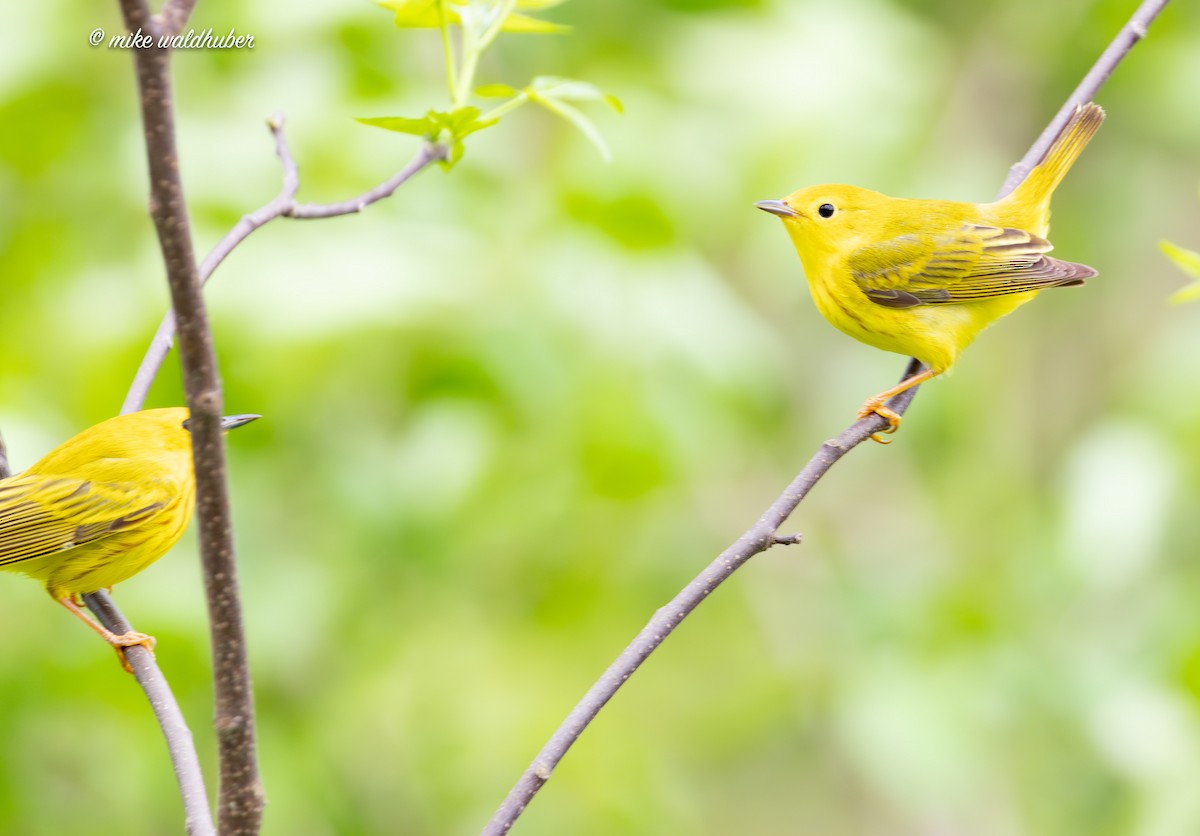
(101, 507)
(934, 334)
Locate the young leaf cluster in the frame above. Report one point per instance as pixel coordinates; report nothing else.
(478, 23)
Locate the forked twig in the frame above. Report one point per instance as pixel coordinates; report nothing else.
(283, 205)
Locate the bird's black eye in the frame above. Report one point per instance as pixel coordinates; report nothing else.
(826, 210)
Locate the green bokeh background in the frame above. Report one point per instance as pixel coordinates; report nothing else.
(512, 410)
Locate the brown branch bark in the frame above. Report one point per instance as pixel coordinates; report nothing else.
(240, 799)
(763, 534)
(178, 736)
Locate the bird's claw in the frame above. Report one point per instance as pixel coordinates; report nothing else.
(131, 639)
(874, 406)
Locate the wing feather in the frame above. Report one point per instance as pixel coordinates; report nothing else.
(973, 263)
(41, 515)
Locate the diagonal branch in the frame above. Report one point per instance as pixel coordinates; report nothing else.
(283, 205)
(763, 534)
(759, 538)
(240, 799)
(1130, 34)
(180, 745)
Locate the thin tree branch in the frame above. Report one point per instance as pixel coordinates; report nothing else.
(763, 534)
(430, 153)
(180, 745)
(283, 205)
(240, 800)
(759, 538)
(1130, 34)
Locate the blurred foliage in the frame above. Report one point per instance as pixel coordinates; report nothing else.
(1189, 262)
(513, 409)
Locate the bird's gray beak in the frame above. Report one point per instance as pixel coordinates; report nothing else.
(777, 207)
(230, 422)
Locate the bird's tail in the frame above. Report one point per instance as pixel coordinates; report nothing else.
(1036, 188)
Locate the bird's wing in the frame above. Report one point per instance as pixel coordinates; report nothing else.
(41, 515)
(972, 263)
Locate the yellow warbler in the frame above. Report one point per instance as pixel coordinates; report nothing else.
(102, 507)
(924, 277)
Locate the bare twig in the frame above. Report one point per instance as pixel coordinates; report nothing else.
(240, 799)
(283, 205)
(763, 534)
(311, 211)
(1130, 34)
(180, 746)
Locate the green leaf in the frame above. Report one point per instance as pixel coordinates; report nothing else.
(1189, 262)
(495, 91)
(424, 14)
(461, 122)
(575, 117)
(532, 25)
(458, 123)
(554, 93)
(419, 14)
(1188, 294)
(401, 124)
(570, 90)
(447, 127)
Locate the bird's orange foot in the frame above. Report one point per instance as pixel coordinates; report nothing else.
(874, 406)
(131, 639)
(118, 643)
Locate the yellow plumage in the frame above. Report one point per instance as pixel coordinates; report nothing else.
(102, 507)
(924, 277)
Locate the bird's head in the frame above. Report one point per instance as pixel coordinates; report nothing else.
(121, 447)
(825, 218)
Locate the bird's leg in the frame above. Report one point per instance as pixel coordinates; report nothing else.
(119, 643)
(874, 405)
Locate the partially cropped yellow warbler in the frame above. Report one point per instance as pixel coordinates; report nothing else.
(924, 277)
(102, 507)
